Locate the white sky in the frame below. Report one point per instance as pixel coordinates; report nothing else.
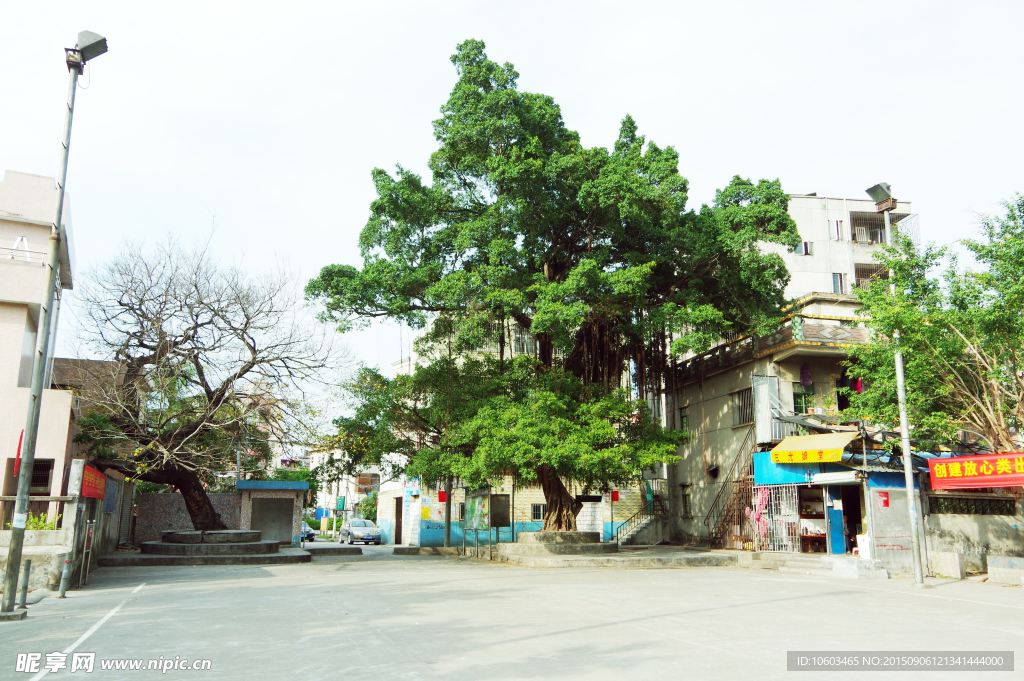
(271, 115)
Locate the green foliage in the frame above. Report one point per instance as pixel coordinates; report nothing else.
(961, 337)
(143, 487)
(368, 507)
(591, 250)
(37, 521)
(300, 475)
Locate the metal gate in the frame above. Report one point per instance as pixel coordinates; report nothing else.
(775, 518)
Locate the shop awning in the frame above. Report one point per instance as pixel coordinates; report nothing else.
(813, 448)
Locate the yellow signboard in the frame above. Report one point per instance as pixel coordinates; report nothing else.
(808, 456)
(813, 448)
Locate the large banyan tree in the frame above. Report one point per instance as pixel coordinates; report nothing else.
(592, 250)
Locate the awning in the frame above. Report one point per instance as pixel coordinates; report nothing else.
(813, 448)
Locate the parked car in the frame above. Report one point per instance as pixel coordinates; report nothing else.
(359, 530)
(308, 534)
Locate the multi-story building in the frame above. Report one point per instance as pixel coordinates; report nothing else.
(27, 204)
(742, 398)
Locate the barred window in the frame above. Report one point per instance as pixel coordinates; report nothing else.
(941, 503)
(743, 407)
(539, 511)
(42, 473)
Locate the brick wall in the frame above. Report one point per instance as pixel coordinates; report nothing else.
(158, 513)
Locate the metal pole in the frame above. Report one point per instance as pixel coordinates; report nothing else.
(448, 512)
(908, 464)
(24, 585)
(28, 455)
(65, 577)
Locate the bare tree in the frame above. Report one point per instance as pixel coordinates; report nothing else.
(196, 353)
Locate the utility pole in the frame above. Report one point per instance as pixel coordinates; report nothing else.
(884, 201)
(89, 45)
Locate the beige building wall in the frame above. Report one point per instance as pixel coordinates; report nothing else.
(26, 215)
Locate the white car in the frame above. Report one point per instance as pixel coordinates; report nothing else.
(359, 530)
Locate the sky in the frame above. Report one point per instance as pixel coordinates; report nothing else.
(256, 125)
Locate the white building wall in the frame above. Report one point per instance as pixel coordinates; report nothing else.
(832, 249)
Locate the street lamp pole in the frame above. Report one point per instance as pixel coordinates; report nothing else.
(882, 194)
(89, 45)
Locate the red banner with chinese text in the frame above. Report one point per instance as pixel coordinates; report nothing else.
(987, 470)
(94, 483)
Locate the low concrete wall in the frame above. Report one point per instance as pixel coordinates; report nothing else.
(976, 536)
(158, 513)
(947, 564)
(1006, 569)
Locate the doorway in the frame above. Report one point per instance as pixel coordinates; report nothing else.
(398, 520)
(853, 496)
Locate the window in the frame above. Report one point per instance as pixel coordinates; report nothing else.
(972, 505)
(538, 511)
(462, 511)
(835, 229)
(684, 505)
(743, 407)
(803, 398)
(42, 472)
(684, 419)
(804, 248)
(839, 283)
(865, 273)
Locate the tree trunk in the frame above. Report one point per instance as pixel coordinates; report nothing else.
(562, 508)
(200, 509)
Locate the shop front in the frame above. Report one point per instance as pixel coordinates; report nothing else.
(806, 500)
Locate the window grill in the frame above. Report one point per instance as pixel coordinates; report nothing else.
(972, 505)
(865, 273)
(538, 511)
(869, 228)
(743, 407)
(42, 473)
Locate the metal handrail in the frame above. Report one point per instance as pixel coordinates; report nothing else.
(22, 255)
(650, 509)
(716, 512)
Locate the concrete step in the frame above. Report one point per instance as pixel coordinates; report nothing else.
(284, 556)
(225, 549)
(333, 550)
(621, 561)
(558, 538)
(555, 549)
(211, 536)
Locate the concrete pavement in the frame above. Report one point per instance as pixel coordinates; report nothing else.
(380, 616)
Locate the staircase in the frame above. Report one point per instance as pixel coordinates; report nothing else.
(651, 511)
(727, 510)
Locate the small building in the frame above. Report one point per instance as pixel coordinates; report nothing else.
(274, 507)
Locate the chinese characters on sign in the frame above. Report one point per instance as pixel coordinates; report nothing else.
(808, 456)
(988, 470)
(94, 483)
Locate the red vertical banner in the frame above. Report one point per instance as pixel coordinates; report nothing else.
(987, 470)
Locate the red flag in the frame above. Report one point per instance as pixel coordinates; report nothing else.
(17, 459)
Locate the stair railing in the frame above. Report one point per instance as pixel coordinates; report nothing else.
(719, 518)
(651, 508)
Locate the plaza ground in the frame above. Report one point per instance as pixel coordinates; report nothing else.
(381, 616)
